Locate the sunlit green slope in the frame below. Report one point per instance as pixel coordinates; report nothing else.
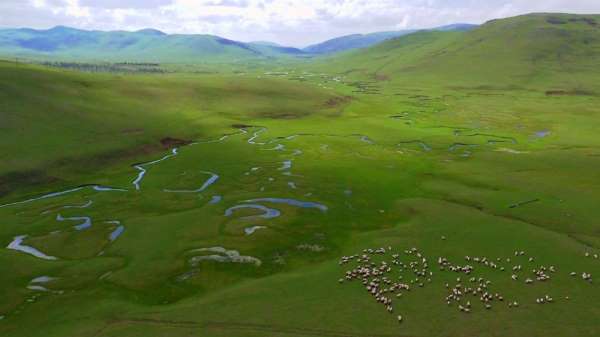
(53, 119)
(557, 51)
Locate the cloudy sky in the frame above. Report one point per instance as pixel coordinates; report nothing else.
(290, 22)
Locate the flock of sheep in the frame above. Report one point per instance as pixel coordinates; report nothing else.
(377, 276)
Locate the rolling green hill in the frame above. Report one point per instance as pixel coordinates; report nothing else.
(146, 45)
(557, 51)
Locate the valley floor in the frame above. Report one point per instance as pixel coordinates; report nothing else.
(235, 224)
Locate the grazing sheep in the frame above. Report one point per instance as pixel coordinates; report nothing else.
(587, 277)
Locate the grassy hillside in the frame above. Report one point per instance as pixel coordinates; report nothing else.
(401, 53)
(142, 46)
(59, 123)
(555, 51)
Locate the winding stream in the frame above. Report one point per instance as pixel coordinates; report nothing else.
(286, 165)
(366, 139)
(17, 244)
(46, 196)
(35, 283)
(108, 189)
(140, 167)
(36, 288)
(87, 221)
(253, 229)
(542, 134)
(291, 202)
(213, 178)
(270, 213)
(279, 147)
(256, 134)
(511, 139)
(117, 232)
(43, 279)
(422, 144)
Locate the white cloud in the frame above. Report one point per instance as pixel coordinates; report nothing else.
(292, 22)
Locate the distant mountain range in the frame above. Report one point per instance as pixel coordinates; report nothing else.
(148, 45)
(151, 45)
(357, 41)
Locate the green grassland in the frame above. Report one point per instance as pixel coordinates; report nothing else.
(444, 141)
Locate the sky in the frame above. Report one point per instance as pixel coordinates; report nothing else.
(289, 22)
